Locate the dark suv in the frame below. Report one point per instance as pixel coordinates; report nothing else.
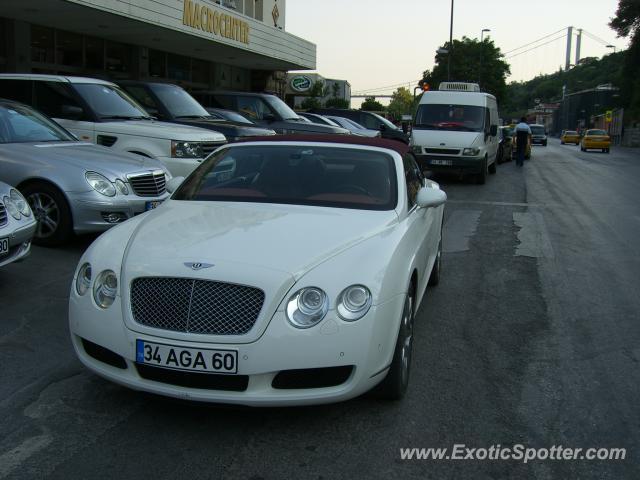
(368, 120)
(172, 103)
(266, 110)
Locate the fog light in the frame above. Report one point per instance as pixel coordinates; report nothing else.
(113, 217)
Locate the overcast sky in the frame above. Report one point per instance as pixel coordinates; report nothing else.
(375, 43)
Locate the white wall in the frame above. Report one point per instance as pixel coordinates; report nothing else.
(268, 8)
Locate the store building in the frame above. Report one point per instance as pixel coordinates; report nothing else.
(300, 87)
(199, 44)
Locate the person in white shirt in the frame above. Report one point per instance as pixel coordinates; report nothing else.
(522, 132)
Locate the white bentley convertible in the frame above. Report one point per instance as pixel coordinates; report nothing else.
(285, 271)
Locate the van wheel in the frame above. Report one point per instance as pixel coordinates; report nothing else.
(481, 178)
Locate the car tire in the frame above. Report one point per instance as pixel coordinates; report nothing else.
(481, 178)
(607, 150)
(493, 168)
(500, 156)
(51, 210)
(561, 142)
(434, 278)
(394, 386)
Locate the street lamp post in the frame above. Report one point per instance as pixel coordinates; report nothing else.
(450, 45)
(484, 30)
(612, 46)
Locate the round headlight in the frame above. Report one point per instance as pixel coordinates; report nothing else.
(83, 280)
(354, 303)
(100, 184)
(12, 208)
(20, 202)
(122, 187)
(307, 307)
(105, 289)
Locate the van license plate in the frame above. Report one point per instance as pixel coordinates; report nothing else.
(442, 162)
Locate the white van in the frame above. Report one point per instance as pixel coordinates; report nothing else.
(101, 112)
(456, 130)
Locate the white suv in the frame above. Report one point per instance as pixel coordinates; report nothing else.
(101, 112)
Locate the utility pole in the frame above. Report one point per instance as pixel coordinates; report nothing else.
(450, 45)
(578, 45)
(567, 64)
(484, 30)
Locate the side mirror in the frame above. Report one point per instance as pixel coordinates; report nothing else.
(174, 184)
(383, 127)
(71, 112)
(430, 197)
(269, 117)
(493, 131)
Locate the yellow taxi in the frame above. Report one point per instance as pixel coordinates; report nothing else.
(596, 140)
(570, 136)
(514, 151)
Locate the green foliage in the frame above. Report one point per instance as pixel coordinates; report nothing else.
(627, 23)
(372, 105)
(471, 61)
(401, 103)
(310, 103)
(335, 102)
(317, 91)
(521, 96)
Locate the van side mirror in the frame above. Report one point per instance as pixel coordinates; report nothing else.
(71, 112)
(174, 184)
(430, 197)
(493, 131)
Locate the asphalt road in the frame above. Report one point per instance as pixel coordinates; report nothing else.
(532, 337)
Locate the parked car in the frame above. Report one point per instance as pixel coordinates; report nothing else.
(17, 225)
(73, 186)
(315, 118)
(368, 120)
(264, 109)
(538, 135)
(354, 127)
(171, 103)
(101, 112)
(570, 136)
(320, 310)
(505, 144)
(596, 139)
(456, 130)
(230, 115)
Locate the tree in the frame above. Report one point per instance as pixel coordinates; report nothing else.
(627, 24)
(337, 103)
(317, 91)
(467, 58)
(401, 103)
(372, 105)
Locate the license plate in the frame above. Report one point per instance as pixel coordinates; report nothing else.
(190, 359)
(151, 205)
(441, 162)
(4, 246)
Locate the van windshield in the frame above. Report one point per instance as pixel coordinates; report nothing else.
(461, 118)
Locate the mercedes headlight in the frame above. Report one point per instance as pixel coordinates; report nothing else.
(12, 208)
(354, 303)
(100, 184)
(105, 289)
(83, 280)
(471, 152)
(122, 187)
(186, 149)
(20, 202)
(307, 307)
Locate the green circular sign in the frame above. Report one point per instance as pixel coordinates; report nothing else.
(301, 83)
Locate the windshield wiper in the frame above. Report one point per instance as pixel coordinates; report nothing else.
(194, 116)
(125, 117)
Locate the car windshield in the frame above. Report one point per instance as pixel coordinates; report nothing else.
(338, 177)
(179, 103)
(596, 132)
(110, 102)
(537, 129)
(464, 118)
(282, 108)
(21, 124)
(388, 124)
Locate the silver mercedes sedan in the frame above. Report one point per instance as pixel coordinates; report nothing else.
(17, 225)
(72, 186)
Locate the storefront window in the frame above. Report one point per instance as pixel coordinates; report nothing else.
(200, 71)
(94, 53)
(157, 63)
(179, 67)
(118, 57)
(258, 9)
(42, 42)
(68, 49)
(3, 41)
(248, 7)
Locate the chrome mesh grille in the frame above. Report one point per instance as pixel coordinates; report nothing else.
(3, 215)
(195, 306)
(152, 184)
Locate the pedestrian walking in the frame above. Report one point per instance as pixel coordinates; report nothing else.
(522, 132)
